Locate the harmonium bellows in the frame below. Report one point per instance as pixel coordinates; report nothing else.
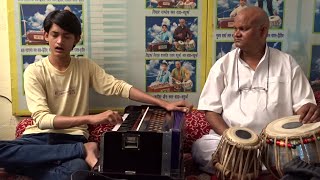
(148, 142)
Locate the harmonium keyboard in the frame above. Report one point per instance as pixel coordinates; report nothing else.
(148, 142)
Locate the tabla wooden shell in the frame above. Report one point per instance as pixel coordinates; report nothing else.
(237, 155)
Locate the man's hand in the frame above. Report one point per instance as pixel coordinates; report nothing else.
(108, 116)
(180, 35)
(309, 113)
(182, 106)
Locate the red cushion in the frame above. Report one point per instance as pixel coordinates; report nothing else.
(196, 127)
(22, 126)
(97, 130)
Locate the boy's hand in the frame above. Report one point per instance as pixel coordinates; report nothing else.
(112, 117)
(182, 106)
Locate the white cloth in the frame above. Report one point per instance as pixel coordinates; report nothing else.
(287, 90)
(237, 10)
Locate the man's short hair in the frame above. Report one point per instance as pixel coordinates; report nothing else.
(163, 25)
(65, 20)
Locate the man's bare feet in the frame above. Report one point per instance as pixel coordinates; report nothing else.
(92, 153)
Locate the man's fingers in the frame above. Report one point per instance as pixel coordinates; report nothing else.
(308, 115)
(315, 117)
(302, 114)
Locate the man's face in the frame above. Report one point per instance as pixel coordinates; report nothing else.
(182, 22)
(60, 41)
(246, 34)
(178, 65)
(243, 2)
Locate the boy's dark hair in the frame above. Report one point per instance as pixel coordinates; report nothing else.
(65, 20)
(165, 26)
(164, 63)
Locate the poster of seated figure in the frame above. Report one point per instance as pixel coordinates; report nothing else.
(294, 27)
(171, 75)
(123, 38)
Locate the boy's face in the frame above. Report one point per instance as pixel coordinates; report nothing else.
(60, 41)
(164, 67)
(164, 29)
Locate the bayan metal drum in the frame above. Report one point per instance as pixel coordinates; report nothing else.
(191, 45)
(275, 21)
(286, 138)
(180, 46)
(187, 85)
(237, 155)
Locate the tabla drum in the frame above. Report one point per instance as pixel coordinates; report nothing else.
(180, 4)
(237, 155)
(191, 45)
(275, 21)
(187, 85)
(177, 86)
(189, 5)
(286, 138)
(180, 46)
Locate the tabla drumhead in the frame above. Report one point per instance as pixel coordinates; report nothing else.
(290, 126)
(243, 136)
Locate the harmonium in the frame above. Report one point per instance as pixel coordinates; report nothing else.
(147, 144)
(161, 87)
(35, 38)
(160, 46)
(166, 4)
(225, 22)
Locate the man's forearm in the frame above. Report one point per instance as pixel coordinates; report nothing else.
(137, 95)
(64, 122)
(216, 122)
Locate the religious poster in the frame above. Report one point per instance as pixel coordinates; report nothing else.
(131, 40)
(294, 27)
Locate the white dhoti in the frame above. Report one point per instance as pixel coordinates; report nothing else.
(202, 150)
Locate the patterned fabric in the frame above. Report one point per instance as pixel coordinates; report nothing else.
(96, 131)
(196, 127)
(22, 126)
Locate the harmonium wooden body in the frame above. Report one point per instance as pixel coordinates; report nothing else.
(35, 38)
(160, 46)
(166, 4)
(148, 143)
(225, 22)
(163, 87)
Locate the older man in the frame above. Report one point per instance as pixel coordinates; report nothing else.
(251, 86)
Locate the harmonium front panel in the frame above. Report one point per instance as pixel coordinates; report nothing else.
(150, 144)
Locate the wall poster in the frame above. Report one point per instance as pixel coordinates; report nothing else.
(294, 28)
(158, 46)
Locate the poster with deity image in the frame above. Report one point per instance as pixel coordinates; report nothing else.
(228, 9)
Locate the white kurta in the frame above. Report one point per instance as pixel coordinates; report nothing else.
(286, 90)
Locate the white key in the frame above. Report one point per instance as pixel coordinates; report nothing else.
(117, 126)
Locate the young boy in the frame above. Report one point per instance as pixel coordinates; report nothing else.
(164, 74)
(56, 91)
